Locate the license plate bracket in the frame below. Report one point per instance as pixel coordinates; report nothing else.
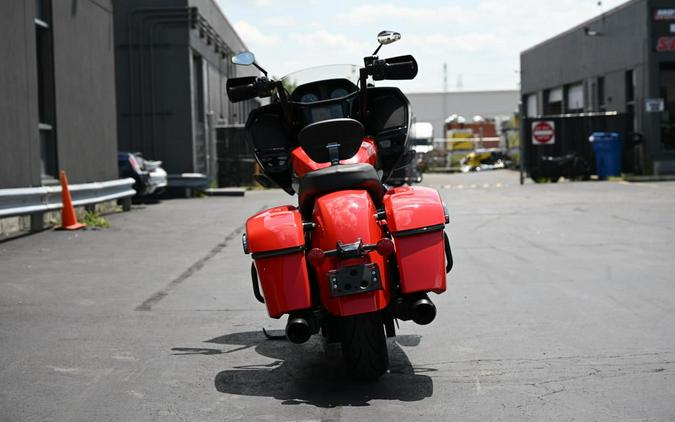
(354, 279)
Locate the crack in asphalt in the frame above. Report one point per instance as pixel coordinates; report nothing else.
(549, 376)
(192, 269)
(554, 358)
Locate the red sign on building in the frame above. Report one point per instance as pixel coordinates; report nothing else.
(543, 132)
(665, 44)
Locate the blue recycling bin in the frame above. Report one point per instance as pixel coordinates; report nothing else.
(608, 150)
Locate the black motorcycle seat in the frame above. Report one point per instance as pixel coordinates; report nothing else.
(335, 178)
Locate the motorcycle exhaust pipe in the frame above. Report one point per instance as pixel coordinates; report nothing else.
(423, 310)
(298, 330)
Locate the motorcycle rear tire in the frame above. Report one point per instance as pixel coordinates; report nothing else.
(364, 346)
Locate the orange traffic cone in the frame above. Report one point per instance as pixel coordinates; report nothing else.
(68, 217)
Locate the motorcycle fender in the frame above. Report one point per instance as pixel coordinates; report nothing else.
(416, 218)
(348, 216)
(276, 240)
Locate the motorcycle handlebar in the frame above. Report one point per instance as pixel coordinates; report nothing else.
(394, 68)
(403, 70)
(246, 88)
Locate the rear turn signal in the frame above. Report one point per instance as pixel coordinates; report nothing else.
(316, 257)
(385, 247)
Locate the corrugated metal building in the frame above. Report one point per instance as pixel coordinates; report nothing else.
(57, 92)
(622, 61)
(173, 60)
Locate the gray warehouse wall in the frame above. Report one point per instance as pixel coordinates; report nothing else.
(625, 43)
(217, 68)
(210, 11)
(160, 50)
(19, 144)
(84, 87)
(153, 81)
(84, 74)
(573, 56)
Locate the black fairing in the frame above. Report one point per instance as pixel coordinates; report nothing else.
(388, 122)
(272, 144)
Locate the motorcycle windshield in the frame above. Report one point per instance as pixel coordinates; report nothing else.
(321, 73)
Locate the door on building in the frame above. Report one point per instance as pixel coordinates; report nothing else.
(667, 80)
(45, 87)
(199, 115)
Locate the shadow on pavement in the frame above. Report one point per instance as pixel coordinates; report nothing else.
(313, 373)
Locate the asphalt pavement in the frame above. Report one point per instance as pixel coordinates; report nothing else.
(561, 306)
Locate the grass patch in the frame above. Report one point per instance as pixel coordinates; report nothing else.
(94, 220)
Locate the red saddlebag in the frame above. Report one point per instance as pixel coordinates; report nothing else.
(416, 218)
(276, 240)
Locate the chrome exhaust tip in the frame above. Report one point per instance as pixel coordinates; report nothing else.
(298, 330)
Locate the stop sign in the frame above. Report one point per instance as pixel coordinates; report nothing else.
(543, 132)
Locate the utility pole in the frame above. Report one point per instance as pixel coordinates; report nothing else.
(445, 99)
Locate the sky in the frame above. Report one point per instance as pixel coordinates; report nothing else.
(479, 40)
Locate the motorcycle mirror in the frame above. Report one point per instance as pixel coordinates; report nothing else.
(388, 37)
(245, 58)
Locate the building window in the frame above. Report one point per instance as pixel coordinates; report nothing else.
(45, 84)
(531, 105)
(575, 98)
(630, 86)
(553, 101)
(601, 93)
(43, 11)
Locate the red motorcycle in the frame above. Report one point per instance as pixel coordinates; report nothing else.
(354, 255)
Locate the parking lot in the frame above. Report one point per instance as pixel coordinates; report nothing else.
(561, 306)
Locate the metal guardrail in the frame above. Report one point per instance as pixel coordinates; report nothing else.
(23, 201)
(188, 180)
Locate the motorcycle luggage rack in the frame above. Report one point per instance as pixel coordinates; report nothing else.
(351, 250)
(256, 286)
(448, 253)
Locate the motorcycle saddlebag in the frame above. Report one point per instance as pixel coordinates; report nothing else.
(416, 218)
(276, 240)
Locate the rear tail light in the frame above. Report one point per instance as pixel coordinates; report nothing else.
(134, 164)
(385, 247)
(316, 257)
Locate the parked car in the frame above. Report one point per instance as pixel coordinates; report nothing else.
(149, 177)
(158, 176)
